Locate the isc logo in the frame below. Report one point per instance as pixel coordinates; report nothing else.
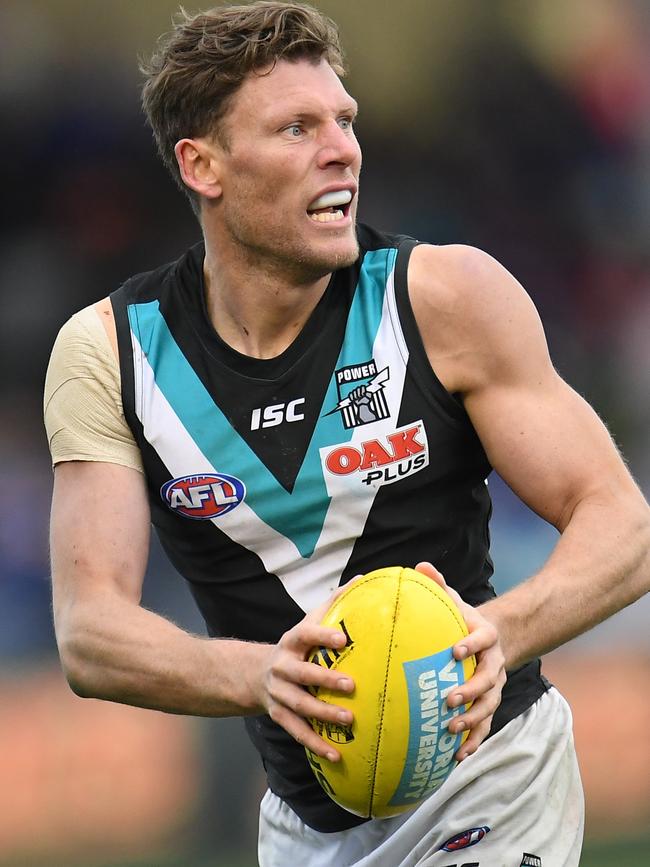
(270, 416)
(203, 497)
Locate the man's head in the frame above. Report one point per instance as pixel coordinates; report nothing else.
(251, 118)
(199, 66)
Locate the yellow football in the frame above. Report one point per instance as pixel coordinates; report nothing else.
(401, 627)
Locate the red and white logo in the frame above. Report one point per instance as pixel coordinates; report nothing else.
(466, 839)
(204, 496)
(379, 461)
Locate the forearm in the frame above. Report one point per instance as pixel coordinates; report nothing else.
(600, 564)
(115, 650)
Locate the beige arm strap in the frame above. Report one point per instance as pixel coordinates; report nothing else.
(84, 417)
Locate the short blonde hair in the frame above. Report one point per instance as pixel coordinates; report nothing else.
(198, 67)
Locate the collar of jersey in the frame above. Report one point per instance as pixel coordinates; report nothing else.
(334, 301)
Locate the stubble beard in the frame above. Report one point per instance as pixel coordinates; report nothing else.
(280, 254)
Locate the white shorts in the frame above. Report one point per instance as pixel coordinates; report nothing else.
(517, 802)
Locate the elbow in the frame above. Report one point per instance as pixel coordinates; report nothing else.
(77, 669)
(638, 546)
(79, 684)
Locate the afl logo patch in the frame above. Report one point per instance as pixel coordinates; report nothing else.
(467, 838)
(203, 497)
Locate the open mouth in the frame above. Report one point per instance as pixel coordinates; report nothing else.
(330, 207)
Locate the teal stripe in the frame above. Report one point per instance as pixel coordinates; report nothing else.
(362, 326)
(298, 515)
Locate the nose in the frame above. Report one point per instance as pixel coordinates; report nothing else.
(337, 146)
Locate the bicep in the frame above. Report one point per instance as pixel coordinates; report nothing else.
(545, 440)
(100, 527)
(485, 341)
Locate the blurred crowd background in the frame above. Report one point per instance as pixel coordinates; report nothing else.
(519, 126)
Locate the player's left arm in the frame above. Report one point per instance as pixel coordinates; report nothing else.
(549, 446)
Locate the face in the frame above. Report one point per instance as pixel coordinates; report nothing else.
(290, 144)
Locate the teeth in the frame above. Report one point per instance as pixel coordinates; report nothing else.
(331, 200)
(327, 216)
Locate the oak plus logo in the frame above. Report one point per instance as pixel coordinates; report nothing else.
(379, 461)
(277, 413)
(361, 394)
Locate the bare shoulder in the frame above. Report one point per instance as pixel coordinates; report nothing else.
(477, 322)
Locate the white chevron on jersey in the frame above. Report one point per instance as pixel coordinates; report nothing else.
(308, 580)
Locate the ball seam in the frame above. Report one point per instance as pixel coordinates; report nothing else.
(383, 700)
(452, 608)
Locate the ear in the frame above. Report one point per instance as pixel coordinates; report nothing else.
(199, 165)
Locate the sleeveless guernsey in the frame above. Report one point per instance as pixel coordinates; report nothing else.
(272, 481)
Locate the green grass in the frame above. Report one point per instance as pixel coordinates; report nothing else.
(619, 853)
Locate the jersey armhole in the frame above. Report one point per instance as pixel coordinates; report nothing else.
(424, 374)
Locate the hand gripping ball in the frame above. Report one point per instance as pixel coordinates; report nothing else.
(401, 627)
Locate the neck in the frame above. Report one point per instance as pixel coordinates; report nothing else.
(257, 306)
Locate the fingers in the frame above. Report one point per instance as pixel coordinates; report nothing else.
(476, 737)
(291, 705)
(478, 719)
(482, 637)
(311, 675)
(430, 571)
(309, 634)
(483, 689)
(290, 680)
(299, 728)
(488, 675)
(289, 669)
(302, 703)
(484, 692)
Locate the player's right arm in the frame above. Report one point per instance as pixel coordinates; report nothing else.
(114, 649)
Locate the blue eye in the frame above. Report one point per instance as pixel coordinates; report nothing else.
(345, 123)
(294, 130)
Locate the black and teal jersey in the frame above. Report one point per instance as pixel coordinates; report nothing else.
(273, 481)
